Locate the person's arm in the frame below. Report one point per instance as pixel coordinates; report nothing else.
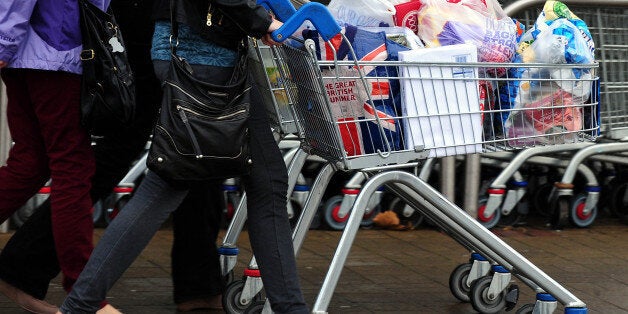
(253, 19)
(267, 39)
(14, 19)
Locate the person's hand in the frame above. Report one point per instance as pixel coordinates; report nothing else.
(268, 39)
(2, 64)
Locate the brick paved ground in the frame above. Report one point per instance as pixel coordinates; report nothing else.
(403, 271)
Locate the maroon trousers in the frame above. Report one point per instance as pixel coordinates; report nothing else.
(43, 116)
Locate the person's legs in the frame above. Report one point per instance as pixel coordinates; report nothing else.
(56, 99)
(123, 240)
(26, 169)
(196, 273)
(196, 270)
(29, 260)
(269, 228)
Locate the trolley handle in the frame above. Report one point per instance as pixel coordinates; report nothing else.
(314, 12)
(282, 9)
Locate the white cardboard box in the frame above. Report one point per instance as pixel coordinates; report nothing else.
(443, 106)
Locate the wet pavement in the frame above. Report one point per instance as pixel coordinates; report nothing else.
(401, 271)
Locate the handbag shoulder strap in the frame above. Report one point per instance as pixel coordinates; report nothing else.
(174, 27)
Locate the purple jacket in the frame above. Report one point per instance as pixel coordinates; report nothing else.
(42, 34)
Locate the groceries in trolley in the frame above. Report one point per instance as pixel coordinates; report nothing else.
(482, 23)
(367, 112)
(362, 12)
(442, 103)
(549, 100)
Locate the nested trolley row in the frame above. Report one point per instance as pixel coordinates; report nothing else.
(378, 117)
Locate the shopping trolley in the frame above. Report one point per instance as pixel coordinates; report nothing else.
(607, 24)
(401, 136)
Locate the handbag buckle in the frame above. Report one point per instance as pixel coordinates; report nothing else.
(87, 54)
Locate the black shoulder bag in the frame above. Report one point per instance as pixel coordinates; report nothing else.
(107, 87)
(202, 130)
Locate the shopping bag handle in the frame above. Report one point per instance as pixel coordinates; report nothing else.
(314, 12)
(282, 9)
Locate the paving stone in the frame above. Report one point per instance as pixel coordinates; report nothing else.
(399, 271)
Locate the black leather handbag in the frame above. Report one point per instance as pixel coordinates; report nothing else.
(107, 85)
(202, 132)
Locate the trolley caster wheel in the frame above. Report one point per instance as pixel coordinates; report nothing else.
(577, 215)
(482, 301)
(560, 212)
(294, 214)
(540, 200)
(367, 219)
(229, 277)
(22, 214)
(98, 212)
(458, 282)
(231, 298)
(491, 221)
(512, 297)
(619, 201)
(511, 219)
(256, 307)
(330, 211)
(526, 309)
(113, 211)
(407, 215)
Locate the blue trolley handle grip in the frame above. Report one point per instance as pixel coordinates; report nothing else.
(282, 9)
(316, 13)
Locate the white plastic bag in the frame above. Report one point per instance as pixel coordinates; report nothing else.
(363, 12)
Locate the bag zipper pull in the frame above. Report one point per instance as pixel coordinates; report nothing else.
(182, 114)
(196, 146)
(209, 16)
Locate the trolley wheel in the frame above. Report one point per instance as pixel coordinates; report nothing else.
(229, 277)
(526, 309)
(231, 298)
(481, 300)
(577, 215)
(113, 211)
(330, 211)
(256, 307)
(488, 222)
(367, 219)
(20, 216)
(407, 215)
(295, 214)
(618, 202)
(98, 212)
(511, 219)
(560, 212)
(458, 282)
(540, 199)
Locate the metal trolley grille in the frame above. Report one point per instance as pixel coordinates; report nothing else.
(608, 27)
(438, 109)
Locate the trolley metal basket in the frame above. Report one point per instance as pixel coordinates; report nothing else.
(438, 109)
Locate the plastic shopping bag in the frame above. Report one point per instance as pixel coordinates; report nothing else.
(363, 12)
(477, 22)
(549, 97)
